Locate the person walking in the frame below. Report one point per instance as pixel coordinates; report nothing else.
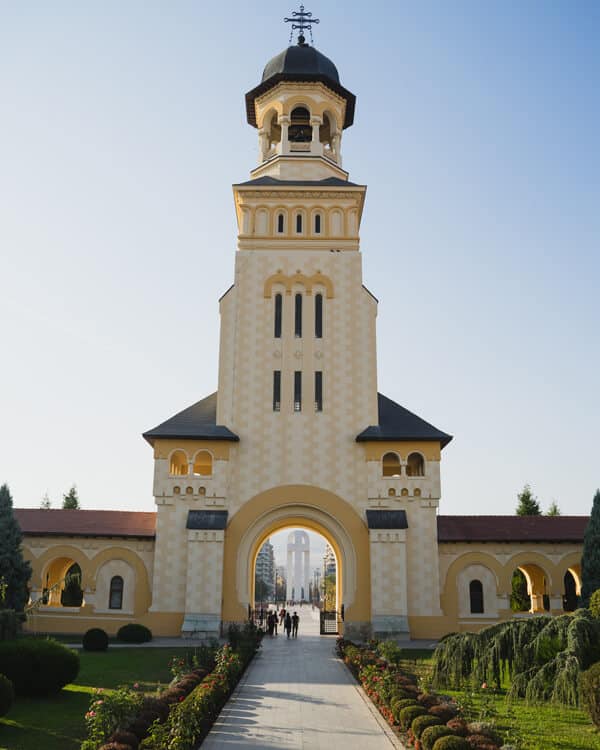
(282, 617)
(295, 623)
(275, 622)
(288, 624)
(270, 623)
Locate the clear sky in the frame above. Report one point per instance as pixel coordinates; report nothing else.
(476, 130)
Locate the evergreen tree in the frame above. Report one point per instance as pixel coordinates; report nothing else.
(71, 499)
(45, 504)
(590, 559)
(528, 504)
(15, 572)
(553, 510)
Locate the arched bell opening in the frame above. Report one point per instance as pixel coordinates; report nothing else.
(300, 129)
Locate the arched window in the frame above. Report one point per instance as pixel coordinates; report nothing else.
(318, 316)
(298, 223)
(179, 464)
(391, 465)
(317, 223)
(476, 597)
(280, 223)
(72, 593)
(570, 595)
(298, 316)
(278, 315)
(300, 130)
(415, 466)
(203, 464)
(115, 597)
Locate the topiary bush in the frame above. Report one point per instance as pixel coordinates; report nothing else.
(95, 639)
(595, 603)
(134, 633)
(451, 743)
(443, 711)
(409, 714)
(432, 734)
(458, 726)
(7, 694)
(38, 667)
(422, 722)
(589, 690)
(481, 742)
(399, 705)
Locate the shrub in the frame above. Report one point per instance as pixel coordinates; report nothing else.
(134, 633)
(428, 699)
(95, 639)
(409, 714)
(433, 733)
(109, 712)
(400, 705)
(443, 711)
(38, 667)
(390, 651)
(481, 742)
(595, 603)
(451, 743)
(422, 722)
(125, 738)
(7, 694)
(485, 728)
(9, 624)
(589, 690)
(458, 726)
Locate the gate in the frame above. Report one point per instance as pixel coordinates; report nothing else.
(329, 622)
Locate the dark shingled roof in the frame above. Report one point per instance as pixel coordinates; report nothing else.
(207, 519)
(197, 421)
(387, 519)
(397, 423)
(275, 182)
(511, 528)
(123, 523)
(300, 62)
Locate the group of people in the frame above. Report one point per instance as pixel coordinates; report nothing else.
(288, 622)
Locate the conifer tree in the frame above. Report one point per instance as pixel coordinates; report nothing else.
(528, 504)
(71, 499)
(15, 571)
(553, 510)
(46, 503)
(590, 559)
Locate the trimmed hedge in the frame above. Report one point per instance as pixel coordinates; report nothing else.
(95, 639)
(409, 714)
(432, 734)
(38, 667)
(134, 633)
(7, 694)
(422, 722)
(451, 743)
(9, 624)
(589, 691)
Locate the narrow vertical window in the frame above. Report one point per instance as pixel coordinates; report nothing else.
(278, 310)
(476, 597)
(280, 223)
(277, 390)
(298, 223)
(298, 316)
(298, 390)
(318, 391)
(115, 597)
(317, 223)
(318, 316)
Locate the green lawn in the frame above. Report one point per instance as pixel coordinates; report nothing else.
(57, 723)
(540, 727)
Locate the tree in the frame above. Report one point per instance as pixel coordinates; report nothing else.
(520, 601)
(329, 586)
(15, 571)
(71, 499)
(590, 559)
(261, 590)
(528, 504)
(46, 503)
(553, 510)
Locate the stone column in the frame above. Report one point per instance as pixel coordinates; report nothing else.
(204, 584)
(263, 144)
(389, 600)
(316, 147)
(284, 121)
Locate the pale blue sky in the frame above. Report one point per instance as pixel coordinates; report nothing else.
(476, 132)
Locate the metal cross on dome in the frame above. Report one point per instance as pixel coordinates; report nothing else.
(301, 20)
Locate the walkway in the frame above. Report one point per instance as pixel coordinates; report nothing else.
(296, 694)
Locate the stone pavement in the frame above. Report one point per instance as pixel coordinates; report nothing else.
(297, 694)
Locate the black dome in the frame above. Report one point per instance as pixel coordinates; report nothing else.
(301, 59)
(300, 62)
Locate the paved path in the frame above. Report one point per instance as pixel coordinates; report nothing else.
(296, 694)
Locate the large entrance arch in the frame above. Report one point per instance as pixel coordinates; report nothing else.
(310, 508)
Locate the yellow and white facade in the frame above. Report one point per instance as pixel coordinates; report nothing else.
(297, 434)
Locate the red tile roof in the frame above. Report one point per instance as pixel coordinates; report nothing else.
(511, 528)
(123, 523)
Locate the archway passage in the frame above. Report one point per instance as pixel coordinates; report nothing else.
(313, 510)
(295, 574)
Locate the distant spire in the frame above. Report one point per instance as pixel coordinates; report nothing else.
(300, 21)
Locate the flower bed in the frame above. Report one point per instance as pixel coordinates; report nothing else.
(426, 720)
(179, 717)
